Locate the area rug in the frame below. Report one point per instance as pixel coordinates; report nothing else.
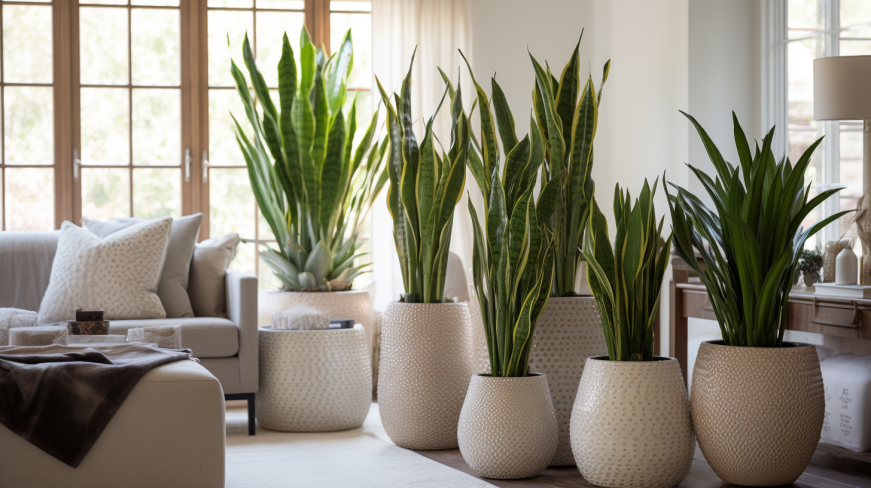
(361, 457)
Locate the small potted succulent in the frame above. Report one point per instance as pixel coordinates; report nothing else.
(810, 262)
(612, 431)
(313, 184)
(757, 401)
(507, 427)
(424, 357)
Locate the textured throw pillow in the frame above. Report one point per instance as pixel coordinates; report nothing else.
(207, 287)
(118, 274)
(14, 317)
(173, 287)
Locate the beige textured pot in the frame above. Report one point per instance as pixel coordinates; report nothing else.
(313, 380)
(352, 304)
(757, 411)
(508, 428)
(631, 425)
(568, 331)
(424, 373)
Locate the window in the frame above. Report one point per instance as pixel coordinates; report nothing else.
(817, 28)
(27, 106)
(120, 108)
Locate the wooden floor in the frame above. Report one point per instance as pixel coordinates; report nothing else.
(826, 470)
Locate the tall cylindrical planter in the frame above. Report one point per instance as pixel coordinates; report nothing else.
(508, 428)
(313, 380)
(568, 331)
(353, 304)
(757, 411)
(631, 425)
(424, 373)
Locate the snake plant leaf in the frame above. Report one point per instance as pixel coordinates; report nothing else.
(490, 146)
(331, 173)
(566, 95)
(504, 118)
(554, 125)
(340, 68)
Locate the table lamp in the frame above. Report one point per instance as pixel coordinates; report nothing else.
(842, 91)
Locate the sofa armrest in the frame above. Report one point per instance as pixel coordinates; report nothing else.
(242, 310)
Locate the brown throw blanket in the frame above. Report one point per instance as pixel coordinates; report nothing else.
(61, 398)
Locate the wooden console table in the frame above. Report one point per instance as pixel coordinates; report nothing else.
(808, 312)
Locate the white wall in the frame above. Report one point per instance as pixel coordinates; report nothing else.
(640, 132)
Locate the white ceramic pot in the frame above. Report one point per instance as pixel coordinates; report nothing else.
(424, 373)
(352, 304)
(507, 427)
(568, 331)
(631, 424)
(313, 380)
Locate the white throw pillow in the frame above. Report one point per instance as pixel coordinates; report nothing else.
(118, 274)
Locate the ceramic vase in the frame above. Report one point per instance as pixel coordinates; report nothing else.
(313, 380)
(568, 331)
(810, 279)
(508, 428)
(631, 424)
(424, 373)
(757, 411)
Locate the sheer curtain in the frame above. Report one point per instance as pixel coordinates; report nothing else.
(438, 28)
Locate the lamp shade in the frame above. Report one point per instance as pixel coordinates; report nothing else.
(842, 88)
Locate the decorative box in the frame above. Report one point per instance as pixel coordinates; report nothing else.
(94, 327)
(89, 315)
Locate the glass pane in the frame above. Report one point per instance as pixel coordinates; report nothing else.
(855, 48)
(27, 44)
(156, 126)
(105, 193)
(156, 192)
(29, 199)
(283, 4)
(265, 276)
(29, 125)
(155, 35)
(167, 3)
(231, 203)
(352, 5)
(223, 149)
(105, 126)
(231, 3)
(271, 27)
(103, 41)
(804, 17)
(854, 13)
(850, 169)
(361, 36)
(245, 259)
(105, 2)
(221, 25)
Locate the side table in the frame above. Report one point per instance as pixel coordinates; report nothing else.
(313, 380)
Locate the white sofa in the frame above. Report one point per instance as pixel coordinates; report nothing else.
(227, 347)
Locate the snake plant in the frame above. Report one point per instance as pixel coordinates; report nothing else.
(311, 184)
(751, 242)
(626, 280)
(425, 187)
(512, 264)
(567, 115)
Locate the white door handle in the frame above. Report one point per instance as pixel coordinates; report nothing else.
(206, 167)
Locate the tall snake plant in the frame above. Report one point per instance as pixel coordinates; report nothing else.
(750, 243)
(425, 187)
(567, 116)
(512, 264)
(626, 281)
(312, 186)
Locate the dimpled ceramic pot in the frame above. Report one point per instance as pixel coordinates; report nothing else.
(567, 333)
(757, 411)
(631, 425)
(508, 428)
(424, 373)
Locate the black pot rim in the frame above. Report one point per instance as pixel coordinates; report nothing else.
(786, 345)
(528, 375)
(656, 359)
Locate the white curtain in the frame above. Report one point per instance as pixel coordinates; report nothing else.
(438, 28)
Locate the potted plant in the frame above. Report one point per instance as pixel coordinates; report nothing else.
(424, 369)
(507, 426)
(757, 401)
(810, 262)
(612, 432)
(312, 185)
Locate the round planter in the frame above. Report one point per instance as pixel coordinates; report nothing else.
(757, 411)
(568, 331)
(810, 279)
(631, 424)
(352, 304)
(424, 373)
(507, 427)
(313, 380)
(479, 356)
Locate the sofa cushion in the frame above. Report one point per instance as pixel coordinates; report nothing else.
(173, 287)
(208, 287)
(208, 337)
(25, 259)
(118, 274)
